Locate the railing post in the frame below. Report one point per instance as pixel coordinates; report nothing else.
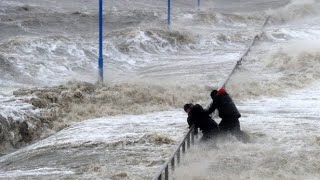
(178, 156)
(188, 141)
(184, 147)
(192, 137)
(172, 164)
(166, 173)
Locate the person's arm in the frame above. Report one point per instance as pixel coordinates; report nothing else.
(211, 108)
(190, 122)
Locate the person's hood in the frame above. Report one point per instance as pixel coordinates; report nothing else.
(221, 91)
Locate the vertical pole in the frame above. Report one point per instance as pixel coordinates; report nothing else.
(172, 164)
(188, 141)
(100, 41)
(178, 156)
(184, 147)
(192, 137)
(166, 175)
(198, 5)
(169, 13)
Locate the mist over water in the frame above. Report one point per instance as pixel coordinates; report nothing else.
(127, 127)
(292, 66)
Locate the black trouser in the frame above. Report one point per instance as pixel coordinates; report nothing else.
(209, 135)
(230, 125)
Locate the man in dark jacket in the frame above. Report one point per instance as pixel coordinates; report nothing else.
(228, 111)
(198, 117)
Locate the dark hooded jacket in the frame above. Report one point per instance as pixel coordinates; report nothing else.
(227, 110)
(201, 119)
(223, 102)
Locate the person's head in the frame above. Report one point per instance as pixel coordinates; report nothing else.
(213, 93)
(187, 107)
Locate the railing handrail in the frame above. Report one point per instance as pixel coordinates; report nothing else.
(164, 166)
(238, 63)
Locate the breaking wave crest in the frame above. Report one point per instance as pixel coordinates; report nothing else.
(85, 100)
(230, 20)
(43, 60)
(294, 11)
(152, 41)
(61, 106)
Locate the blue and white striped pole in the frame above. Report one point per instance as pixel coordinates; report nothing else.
(100, 41)
(169, 13)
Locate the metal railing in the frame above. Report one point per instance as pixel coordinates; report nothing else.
(183, 146)
(238, 63)
(190, 135)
